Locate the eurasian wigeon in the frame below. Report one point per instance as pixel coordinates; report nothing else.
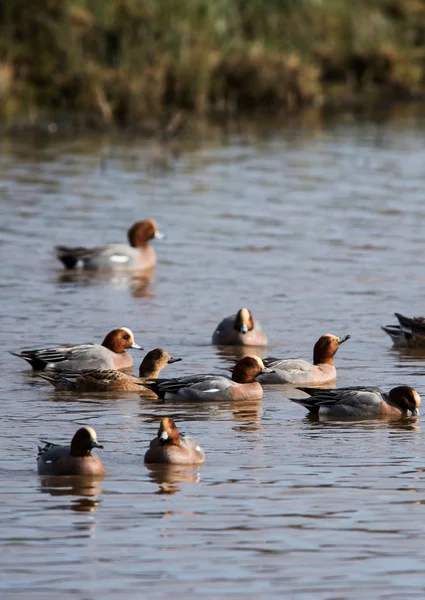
(410, 333)
(239, 330)
(138, 255)
(108, 380)
(298, 372)
(172, 449)
(361, 402)
(111, 354)
(75, 459)
(242, 385)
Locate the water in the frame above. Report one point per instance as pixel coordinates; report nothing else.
(316, 229)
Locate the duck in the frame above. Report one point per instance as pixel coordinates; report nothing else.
(75, 459)
(239, 330)
(243, 384)
(409, 333)
(137, 255)
(170, 448)
(110, 354)
(297, 371)
(109, 380)
(361, 402)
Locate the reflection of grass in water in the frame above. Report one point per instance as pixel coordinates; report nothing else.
(132, 61)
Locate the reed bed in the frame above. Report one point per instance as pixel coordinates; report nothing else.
(136, 62)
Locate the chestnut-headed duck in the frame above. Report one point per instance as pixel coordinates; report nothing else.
(409, 333)
(109, 380)
(239, 330)
(111, 354)
(170, 448)
(137, 255)
(361, 402)
(242, 385)
(299, 372)
(75, 459)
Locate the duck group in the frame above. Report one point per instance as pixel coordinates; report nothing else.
(106, 367)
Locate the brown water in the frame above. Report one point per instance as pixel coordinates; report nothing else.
(317, 230)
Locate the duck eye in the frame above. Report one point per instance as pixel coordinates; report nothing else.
(126, 337)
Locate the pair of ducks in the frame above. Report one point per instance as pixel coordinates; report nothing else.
(168, 447)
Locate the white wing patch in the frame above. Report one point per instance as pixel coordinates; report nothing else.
(119, 259)
(210, 391)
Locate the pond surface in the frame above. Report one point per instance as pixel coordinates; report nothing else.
(317, 229)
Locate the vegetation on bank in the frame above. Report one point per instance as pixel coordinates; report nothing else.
(133, 62)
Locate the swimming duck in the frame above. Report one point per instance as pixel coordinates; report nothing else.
(111, 354)
(109, 380)
(137, 255)
(170, 448)
(242, 386)
(361, 402)
(299, 372)
(239, 330)
(75, 459)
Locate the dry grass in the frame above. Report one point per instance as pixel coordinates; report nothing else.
(132, 61)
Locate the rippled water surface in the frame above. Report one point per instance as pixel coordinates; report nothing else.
(317, 229)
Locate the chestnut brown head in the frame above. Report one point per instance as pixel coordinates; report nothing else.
(83, 441)
(168, 432)
(141, 232)
(244, 321)
(247, 369)
(326, 347)
(119, 340)
(406, 399)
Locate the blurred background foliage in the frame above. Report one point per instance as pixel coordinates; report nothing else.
(132, 62)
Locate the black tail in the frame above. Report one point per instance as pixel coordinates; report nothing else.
(309, 403)
(68, 256)
(151, 384)
(36, 363)
(404, 321)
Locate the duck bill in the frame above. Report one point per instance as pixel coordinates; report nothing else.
(268, 370)
(173, 360)
(136, 346)
(415, 412)
(343, 339)
(158, 235)
(244, 328)
(96, 445)
(163, 437)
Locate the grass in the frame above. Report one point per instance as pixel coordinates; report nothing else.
(136, 62)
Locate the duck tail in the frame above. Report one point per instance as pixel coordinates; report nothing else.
(404, 321)
(58, 381)
(31, 358)
(312, 404)
(309, 403)
(154, 386)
